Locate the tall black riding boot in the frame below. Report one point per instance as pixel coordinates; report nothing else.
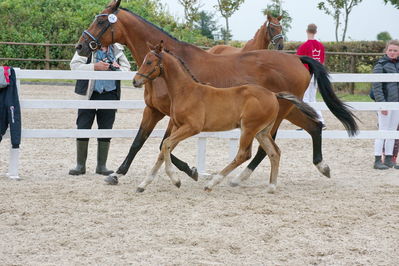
(388, 161)
(81, 156)
(102, 155)
(378, 164)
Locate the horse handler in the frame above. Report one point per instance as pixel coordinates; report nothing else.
(109, 58)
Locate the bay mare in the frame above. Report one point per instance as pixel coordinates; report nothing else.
(270, 31)
(275, 70)
(197, 107)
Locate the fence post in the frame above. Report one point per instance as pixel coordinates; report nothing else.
(47, 63)
(201, 155)
(352, 70)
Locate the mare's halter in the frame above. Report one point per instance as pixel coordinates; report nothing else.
(160, 67)
(273, 39)
(95, 43)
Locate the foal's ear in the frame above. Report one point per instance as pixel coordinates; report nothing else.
(151, 46)
(114, 5)
(279, 17)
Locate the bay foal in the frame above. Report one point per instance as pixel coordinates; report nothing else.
(196, 107)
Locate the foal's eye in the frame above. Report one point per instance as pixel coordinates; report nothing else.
(149, 63)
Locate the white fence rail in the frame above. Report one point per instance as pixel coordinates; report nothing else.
(130, 104)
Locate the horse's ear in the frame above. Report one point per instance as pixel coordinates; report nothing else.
(151, 46)
(114, 5)
(161, 45)
(268, 15)
(279, 17)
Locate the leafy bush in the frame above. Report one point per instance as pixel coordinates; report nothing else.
(64, 22)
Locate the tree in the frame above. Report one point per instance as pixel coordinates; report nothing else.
(339, 10)
(64, 22)
(191, 11)
(227, 9)
(393, 2)
(206, 24)
(384, 36)
(276, 10)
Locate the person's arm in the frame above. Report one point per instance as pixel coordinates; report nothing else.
(124, 64)
(377, 86)
(79, 63)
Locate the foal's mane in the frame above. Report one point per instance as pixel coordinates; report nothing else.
(184, 65)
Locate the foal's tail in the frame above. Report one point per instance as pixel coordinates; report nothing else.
(336, 106)
(301, 105)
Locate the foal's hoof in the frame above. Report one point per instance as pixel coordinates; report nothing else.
(271, 189)
(207, 189)
(194, 173)
(140, 190)
(178, 184)
(111, 180)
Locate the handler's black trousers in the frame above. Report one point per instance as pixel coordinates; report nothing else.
(105, 117)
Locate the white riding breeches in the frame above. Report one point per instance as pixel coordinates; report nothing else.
(310, 96)
(386, 122)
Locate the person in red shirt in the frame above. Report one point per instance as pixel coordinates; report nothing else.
(314, 49)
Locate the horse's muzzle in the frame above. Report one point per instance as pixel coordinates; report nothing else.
(137, 84)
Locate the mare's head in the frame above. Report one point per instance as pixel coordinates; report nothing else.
(274, 31)
(151, 67)
(104, 31)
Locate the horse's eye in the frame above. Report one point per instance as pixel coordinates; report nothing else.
(100, 22)
(149, 63)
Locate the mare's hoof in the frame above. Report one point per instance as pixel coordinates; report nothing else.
(111, 180)
(327, 172)
(178, 184)
(194, 173)
(324, 169)
(140, 190)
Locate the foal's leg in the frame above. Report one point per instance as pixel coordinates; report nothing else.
(314, 129)
(148, 180)
(243, 154)
(182, 166)
(170, 143)
(150, 118)
(270, 146)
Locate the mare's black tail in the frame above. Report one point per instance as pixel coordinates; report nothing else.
(336, 106)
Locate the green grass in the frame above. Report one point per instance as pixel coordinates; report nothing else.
(349, 97)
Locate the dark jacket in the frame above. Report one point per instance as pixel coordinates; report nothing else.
(10, 112)
(386, 91)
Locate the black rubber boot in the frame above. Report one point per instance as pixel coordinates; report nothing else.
(102, 155)
(388, 161)
(81, 156)
(378, 164)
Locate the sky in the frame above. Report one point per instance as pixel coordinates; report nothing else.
(366, 20)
